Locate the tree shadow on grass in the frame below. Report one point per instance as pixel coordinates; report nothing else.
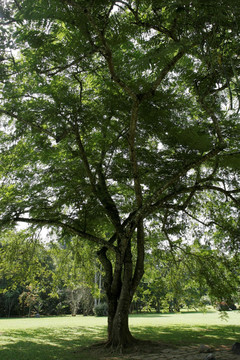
(75, 343)
(167, 314)
(177, 335)
(49, 344)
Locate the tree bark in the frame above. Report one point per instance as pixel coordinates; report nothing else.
(120, 287)
(119, 335)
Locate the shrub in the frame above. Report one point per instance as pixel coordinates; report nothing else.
(224, 306)
(101, 309)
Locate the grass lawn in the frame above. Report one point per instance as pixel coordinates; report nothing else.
(61, 338)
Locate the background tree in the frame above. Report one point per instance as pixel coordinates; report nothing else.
(30, 298)
(26, 272)
(75, 265)
(41, 276)
(192, 277)
(116, 114)
(23, 259)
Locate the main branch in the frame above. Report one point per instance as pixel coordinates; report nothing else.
(37, 221)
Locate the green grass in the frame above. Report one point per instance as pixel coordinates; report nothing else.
(48, 338)
(188, 328)
(61, 338)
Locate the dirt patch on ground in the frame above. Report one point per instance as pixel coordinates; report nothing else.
(186, 353)
(158, 351)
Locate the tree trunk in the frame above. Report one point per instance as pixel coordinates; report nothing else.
(120, 284)
(119, 335)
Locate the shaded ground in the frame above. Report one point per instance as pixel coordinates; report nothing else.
(165, 336)
(157, 351)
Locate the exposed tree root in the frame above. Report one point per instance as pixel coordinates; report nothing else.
(137, 347)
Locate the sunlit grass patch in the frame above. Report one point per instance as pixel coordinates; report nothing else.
(64, 338)
(185, 335)
(188, 328)
(57, 338)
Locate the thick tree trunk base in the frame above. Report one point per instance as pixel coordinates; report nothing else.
(137, 347)
(119, 335)
(120, 345)
(108, 347)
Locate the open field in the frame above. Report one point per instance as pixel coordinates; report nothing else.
(63, 338)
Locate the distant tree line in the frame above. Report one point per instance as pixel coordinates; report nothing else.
(38, 278)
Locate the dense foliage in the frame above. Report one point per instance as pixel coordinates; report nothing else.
(117, 118)
(39, 278)
(45, 278)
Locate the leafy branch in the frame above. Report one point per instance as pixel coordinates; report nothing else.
(72, 229)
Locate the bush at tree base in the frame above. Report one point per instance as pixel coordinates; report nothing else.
(101, 309)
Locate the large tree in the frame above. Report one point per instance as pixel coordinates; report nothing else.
(116, 114)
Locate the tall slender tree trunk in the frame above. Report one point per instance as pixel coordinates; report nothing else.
(120, 294)
(119, 335)
(120, 283)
